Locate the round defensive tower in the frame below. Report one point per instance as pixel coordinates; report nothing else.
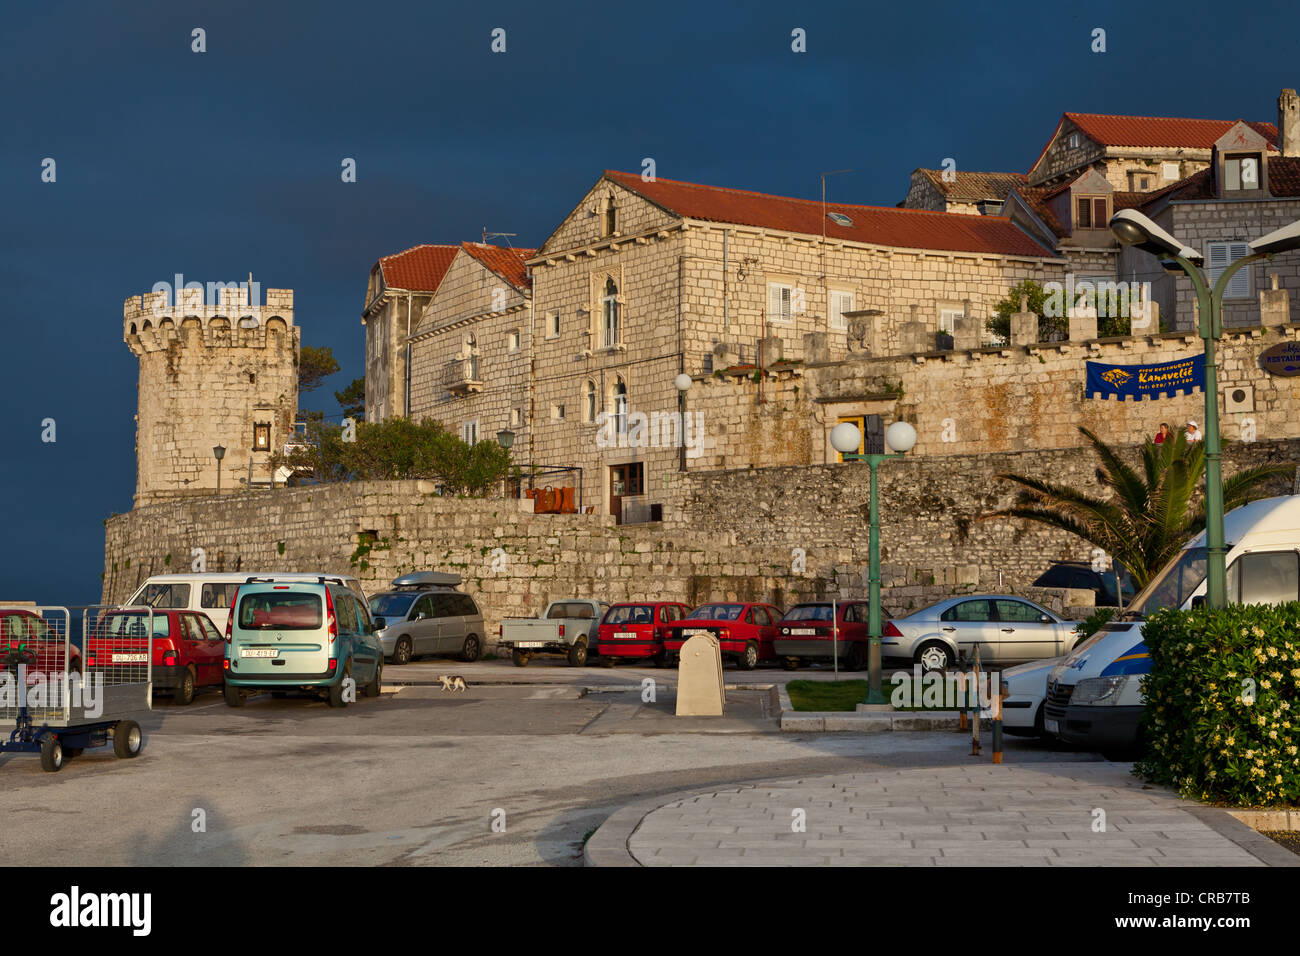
(220, 372)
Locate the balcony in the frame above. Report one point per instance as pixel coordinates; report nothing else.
(461, 376)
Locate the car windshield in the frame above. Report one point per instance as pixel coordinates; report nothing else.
(279, 611)
(393, 604)
(716, 612)
(631, 614)
(1172, 586)
(809, 612)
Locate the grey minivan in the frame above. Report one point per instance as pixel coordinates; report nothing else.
(424, 613)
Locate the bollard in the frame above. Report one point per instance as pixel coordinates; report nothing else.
(975, 714)
(962, 701)
(997, 724)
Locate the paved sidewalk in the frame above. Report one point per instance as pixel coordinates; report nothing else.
(1029, 815)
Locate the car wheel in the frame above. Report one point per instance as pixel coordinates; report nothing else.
(857, 657)
(372, 689)
(1040, 727)
(578, 653)
(519, 657)
(335, 696)
(934, 656)
(51, 754)
(471, 650)
(128, 738)
(184, 694)
(790, 663)
(748, 658)
(606, 660)
(234, 696)
(402, 652)
(660, 660)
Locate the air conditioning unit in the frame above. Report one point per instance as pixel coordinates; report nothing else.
(1239, 398)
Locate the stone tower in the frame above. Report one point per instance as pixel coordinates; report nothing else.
(210, 374)
(1288, 123)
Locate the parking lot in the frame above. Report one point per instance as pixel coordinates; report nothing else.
(420, 775)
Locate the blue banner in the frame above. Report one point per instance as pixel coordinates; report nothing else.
(1126, 382)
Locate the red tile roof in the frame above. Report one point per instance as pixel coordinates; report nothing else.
(506, 262)
(418, 269)
(1157, 131)
(878, 225)
(1035, 198)
(973, 186)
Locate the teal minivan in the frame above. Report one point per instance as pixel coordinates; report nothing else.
(316, 637)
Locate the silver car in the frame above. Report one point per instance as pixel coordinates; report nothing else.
(424, 613)
(1005, 628)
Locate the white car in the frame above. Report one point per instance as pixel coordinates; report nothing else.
(1025, 686)
(1005, 628)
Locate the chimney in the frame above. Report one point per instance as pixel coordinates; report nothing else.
(1288, 123)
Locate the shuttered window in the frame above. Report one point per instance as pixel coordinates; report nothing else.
(779, 302)
(840, 303)
(1223, 254)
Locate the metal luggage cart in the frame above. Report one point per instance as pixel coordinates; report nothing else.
(63, 696)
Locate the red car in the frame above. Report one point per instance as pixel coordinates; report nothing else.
(806, 634)
(188, 650)
(20, 628)
(745, 631)
(637, 630)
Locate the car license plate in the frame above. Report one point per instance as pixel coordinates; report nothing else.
(259, 652)
(802, 630)
(528, 643)
(699, 633)
(130, 658)
(1052, 726)
(625, 634)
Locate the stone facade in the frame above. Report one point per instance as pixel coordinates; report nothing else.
(209, 374)
(469, 354)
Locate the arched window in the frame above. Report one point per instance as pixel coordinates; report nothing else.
(589, 403)
(609, 309)
(620, 406)
(611, 217)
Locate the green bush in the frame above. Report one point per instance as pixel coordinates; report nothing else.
(1219, 721)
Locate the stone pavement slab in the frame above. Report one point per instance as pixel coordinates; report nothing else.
(1073, 814)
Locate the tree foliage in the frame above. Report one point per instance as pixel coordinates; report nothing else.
(314, 366)
(353, 399)
(394, 450)
(1146, 514)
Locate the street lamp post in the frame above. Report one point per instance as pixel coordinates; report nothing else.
(219, 452)
(847, 439)
(1134, 229)
(683, 384)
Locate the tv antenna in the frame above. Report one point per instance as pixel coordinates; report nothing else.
(497, 235)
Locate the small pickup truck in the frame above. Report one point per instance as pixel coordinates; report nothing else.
(567, 627)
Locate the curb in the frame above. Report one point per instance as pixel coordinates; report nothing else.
(608, 845)
(1228, 825)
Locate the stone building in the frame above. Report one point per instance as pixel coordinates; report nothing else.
(400, 287)
(1247, 191)
(956, 190)
(211, 374)
(470, 346)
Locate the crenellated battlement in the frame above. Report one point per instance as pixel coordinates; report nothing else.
(212, 318)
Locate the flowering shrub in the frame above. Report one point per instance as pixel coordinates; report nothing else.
(1222, 701)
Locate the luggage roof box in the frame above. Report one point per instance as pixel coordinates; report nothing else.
(426, 579)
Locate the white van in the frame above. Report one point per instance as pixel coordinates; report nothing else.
(212, 592)
(1094, 698)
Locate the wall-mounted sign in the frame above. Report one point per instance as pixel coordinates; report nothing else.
(1283, 359)
(1126, 382)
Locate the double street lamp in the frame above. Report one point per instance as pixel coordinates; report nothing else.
(1134, 229)
(846, 439)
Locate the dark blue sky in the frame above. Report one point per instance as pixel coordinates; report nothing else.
(219, 163)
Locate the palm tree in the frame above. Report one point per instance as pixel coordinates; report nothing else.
(1149, 514)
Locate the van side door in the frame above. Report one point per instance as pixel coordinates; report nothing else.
(423, 626)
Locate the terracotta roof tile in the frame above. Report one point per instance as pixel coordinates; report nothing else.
(1283, 183)
(1155, 131)
(974, 186)
(418, 269)
(506, 262)
(878, 225)
(1035, 198)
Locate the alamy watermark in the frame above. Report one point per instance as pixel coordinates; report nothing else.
(655, 430)
(1129, 300)
(250, 293)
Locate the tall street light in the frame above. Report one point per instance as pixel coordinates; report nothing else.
(847, 439)
(1134, 229)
